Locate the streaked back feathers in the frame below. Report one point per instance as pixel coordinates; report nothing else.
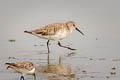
(21, 65)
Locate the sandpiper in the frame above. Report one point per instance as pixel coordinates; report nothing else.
(55, 31)
(24, 67)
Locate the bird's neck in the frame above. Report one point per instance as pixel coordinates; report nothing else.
(70, 29)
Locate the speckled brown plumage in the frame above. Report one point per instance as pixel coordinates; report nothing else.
(22, 65)
(50, 29)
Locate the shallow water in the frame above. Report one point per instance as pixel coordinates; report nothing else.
(85, 62)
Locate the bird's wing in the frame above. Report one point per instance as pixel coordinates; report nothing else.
(24, 65)
(49, 29)
(21, 65)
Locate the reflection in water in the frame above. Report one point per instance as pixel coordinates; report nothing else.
(62, 71)
(48, 59)
(71, 54)
(57, 69)
(60, 78)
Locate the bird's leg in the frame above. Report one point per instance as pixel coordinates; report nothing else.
(34, 76)
(48, 46)
(48, 50)
(21, 78)
(65, 46)
(8, 67)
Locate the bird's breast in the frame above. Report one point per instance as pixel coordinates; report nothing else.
(62, 34)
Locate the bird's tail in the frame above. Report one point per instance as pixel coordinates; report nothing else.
(10, 65)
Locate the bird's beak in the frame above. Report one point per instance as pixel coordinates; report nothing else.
(79, 31)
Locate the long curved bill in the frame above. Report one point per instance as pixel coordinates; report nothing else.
(79, 31)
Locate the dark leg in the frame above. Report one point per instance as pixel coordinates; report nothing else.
(8, 67)
(60, 60)
(34, 76)
(48, 51)
(22, 78)
(65, 46)
(48, 46)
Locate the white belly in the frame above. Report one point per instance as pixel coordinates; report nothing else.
(26, 71)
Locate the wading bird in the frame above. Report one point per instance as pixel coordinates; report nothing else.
(24, 67)
(55, 31)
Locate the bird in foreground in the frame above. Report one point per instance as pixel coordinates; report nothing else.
(24, 67)
(55, 31)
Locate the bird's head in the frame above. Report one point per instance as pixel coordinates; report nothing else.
(72, 25)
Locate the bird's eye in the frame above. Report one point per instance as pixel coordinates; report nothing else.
(73, 24)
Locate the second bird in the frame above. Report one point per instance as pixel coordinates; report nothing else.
(55, 31)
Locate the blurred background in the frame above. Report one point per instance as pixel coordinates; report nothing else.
(98, 19)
